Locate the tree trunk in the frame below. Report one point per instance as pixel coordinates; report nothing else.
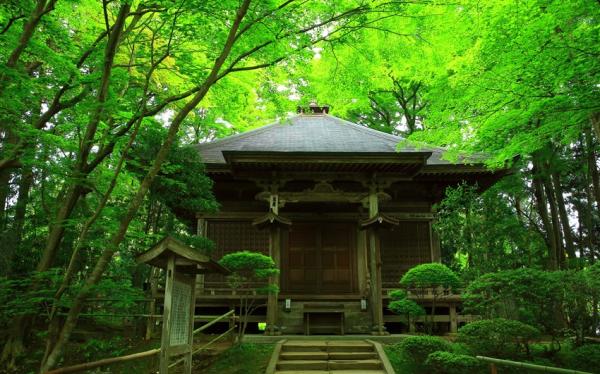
(551, 196)
(542, 208)
(564, 216)
(595, 121)
(592, 166)
(4, 192)
(14, 346)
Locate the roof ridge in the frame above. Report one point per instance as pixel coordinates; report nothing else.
(382, 134)
(368, 130)
(244, 134)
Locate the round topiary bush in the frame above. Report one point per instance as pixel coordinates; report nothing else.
(451, 363)
(431, 275)
(415, 349)
(498, 337)
(586, 358)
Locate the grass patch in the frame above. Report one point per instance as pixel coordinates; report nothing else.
(246, 358)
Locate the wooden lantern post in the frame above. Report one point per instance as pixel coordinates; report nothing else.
(181, 264)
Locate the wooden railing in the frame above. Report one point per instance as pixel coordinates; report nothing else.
(494, 362)
(136, 356)
(230, 314)
(223, 289)
(442, 295)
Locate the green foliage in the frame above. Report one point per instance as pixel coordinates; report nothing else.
(482, 233)
(431, 275)
(246, 358)
(250, 265)
(400, 304)
(416, 349)
(442, 362)
(249, 270)
(95, 349)
(498, 337)
(528, 295)
(406, 307)
(535, 297)
(200, 243)
(586, 358)
(183, 172)
(18, 298)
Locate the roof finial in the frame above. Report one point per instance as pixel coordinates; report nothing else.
(313, 108)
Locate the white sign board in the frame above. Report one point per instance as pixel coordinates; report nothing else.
(180, 309)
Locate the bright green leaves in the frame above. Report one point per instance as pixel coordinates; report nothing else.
(431, 275)
(502, 338)
(249, 266)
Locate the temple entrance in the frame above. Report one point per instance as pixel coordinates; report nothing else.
(320, 258)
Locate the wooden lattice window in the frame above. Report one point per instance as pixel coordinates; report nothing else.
(233, 236)
(403, 247)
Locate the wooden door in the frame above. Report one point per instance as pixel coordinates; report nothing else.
(303, 262)
(320, 259)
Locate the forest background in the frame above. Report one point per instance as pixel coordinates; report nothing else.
(100, 100)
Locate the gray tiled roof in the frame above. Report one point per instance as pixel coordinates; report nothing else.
(313, 133)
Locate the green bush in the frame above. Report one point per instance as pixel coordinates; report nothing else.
(586, 358)
(441, 362)
(415, 349)
(431, 275)
(498, 337)
(406, 307)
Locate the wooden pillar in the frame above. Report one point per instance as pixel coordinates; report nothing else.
(453, 319)
(272, 305)
(275, 253)
(375, 267)
(362, 261)
(201, 231)
(166, 327)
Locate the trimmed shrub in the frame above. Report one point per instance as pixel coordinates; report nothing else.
(451, 363)
(498, 337)
(431, 275)
(586, 358)
(416, 349)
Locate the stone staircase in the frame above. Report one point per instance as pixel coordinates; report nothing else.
(329, 357)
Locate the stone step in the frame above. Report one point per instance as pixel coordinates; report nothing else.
(329, 365)
(317, 355)
(349, 347)
(332, 346)
(352, 355)
(330, 372)
(304, 346)
(303, 365)
(355, 364)
(320, 355)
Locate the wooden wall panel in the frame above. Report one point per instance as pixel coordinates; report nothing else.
(233, 236)
(403, 247)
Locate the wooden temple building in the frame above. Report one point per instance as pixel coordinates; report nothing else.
(344, 211)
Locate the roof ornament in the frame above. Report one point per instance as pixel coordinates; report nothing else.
(313, 108)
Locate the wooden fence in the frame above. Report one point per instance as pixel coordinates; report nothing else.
(136, 356)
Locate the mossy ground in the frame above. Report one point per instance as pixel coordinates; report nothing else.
(246, 358)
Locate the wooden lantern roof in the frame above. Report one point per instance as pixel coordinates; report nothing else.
(324, 143)
(187, 259)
